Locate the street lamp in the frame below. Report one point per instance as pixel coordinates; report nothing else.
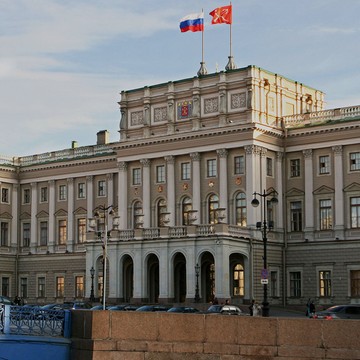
(102, 212)
(92, 273)
(197, 272)
(255, 203)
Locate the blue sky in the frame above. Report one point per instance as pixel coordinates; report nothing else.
(63, 63)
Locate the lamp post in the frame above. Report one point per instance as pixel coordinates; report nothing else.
(197, 271)
(92, 273)
(102, 212)
(264, 275)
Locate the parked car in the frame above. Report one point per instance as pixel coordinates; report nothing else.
(183, 309)
(224, 310)
(123, 307)
(98, 307)
(76, 305)
(6, 300)
(153, 308)
(351, 311)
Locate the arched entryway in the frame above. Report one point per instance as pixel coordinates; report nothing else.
(207, 276)
(128, 278)
(179, 278)
(153, 278)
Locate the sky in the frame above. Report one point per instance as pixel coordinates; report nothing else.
(63, 63)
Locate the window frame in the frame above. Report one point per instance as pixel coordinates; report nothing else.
(136, 176)
(26, 196)
(324, 165)
(4, 233)
(26, 240)
(60, 286)
(41, 286)
(354, 208)
(160, 174)
(185, 170)
(269, 167)
(62, 231)
(5, 195)
(62, 192)
(101, 188)
(354, 161)
(44, 196)
(211, 168)
(295, 168)
(81, 190)
(239, 165)
(240, 209)
(296, 213)
(325, 214)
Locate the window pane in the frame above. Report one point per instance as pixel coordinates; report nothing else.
(355, 283)
(295, 284)
(355, 212)
(211, 168)
(295, 168)
(325, 215)
(185, 171)
(241, 215)
(325, 283)
(296, 216)
(239, 165)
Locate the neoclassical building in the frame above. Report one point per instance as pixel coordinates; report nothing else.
(170, 204)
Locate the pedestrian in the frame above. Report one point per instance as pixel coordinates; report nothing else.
(17, 300)
(312, 308)
(227, 302)
(256, 309)
(251, 307)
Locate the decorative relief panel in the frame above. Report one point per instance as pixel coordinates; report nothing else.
(137, 118)
(160, 114)
(238, 100)
(211, 105)
(184, 109)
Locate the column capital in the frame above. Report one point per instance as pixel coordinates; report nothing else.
(279, 155)
(338, 150)
(89, 178)
(195, 156)
(222, 153)
(70, 180)
(109, 176)
(145, 162)
(252, 149)
(122, 165)
(170, 159)
(308, 153)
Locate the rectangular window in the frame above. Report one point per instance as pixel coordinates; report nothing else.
(44, 194)
(269, 166)
(274, 284)
(355, 283)
(355, 161)
(295, 168)
(23, 288)
(136, 176)
(185, 171)
(41, 287)
(239, 165)
(62, 232)
(296, 216)
(26, 196)
(81, 230)
(5, 286)
(325, 214)
(211, 168)
(43, 233)
(81, 191)
(295, 284)
(102, 188)
(62, 192)
(79, 286)
(355, 212)
(324, 164)
(325, 283)
(4, 234)
(26, 234)
(5, 198)
(60, 286)
(160, 174)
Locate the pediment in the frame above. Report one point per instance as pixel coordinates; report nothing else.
(295, 192)
(5, 215)
(25, 216)
(323, 190)
(352, 187)
(61, 212)
(42, 214)
(80, 211)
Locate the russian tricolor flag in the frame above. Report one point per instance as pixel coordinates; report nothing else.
(192, 22)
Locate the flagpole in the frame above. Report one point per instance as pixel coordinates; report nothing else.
(231, 64)
(202, 70)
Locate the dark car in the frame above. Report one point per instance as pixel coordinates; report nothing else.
(224, 310)
(6, 300)
(76, 305)
(183, 309)
(153, 308)
(351, 311)
(123, 307)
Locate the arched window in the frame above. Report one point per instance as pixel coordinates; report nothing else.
(138, 215)
(186, 206)
(213, 204)
(238, 285)
(240, 210)
(162, 214)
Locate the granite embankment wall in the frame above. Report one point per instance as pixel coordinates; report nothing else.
(111, 335)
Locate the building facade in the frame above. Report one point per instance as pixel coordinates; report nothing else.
(170, 204)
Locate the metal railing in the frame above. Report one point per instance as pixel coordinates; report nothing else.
(35, 321)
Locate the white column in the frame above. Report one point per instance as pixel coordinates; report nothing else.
(279, 189)
(70, 217)
(110, 196)
(263, 184)
(309, 197)
(339, 193)
(146, 192)
(190, 271)
(164, 273)
(223, 181)
(14, 211)
(51, 242)
(170, 160)
(34, 201)
(89, 196)
(139, 281)
(222, 281)
(196, 185)
(252, 165)
(122, 194)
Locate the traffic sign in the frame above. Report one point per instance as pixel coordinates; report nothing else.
(264, 281)
(264, 274)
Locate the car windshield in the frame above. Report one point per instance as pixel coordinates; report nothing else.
(335, 309)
